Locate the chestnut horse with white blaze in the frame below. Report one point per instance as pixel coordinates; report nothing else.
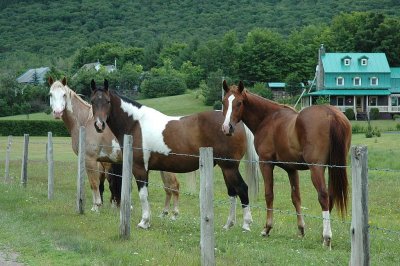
(103, 153)
(171, 143)
(313, 139)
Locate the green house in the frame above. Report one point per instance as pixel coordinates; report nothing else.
(359, 81)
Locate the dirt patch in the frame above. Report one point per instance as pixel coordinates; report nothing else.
(9, 259)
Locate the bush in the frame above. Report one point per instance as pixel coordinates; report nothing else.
(374, 113)
(33, 128)
(161, 86)
(217, 105)
(349, 113)
(398, 126)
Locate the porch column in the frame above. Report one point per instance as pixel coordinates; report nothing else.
(354, 106)
(367, 107)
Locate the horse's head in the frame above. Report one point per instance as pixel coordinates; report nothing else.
(101, 105)
(233, 106)
(58, 96)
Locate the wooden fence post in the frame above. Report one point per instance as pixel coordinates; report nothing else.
(80, 195)
(191, 182)
(50, 169)
(7, 166)
(207, 241)
(125, 206)
(24, 167)
(359, 221)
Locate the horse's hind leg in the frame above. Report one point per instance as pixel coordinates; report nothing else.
(296, 199)
(317, 177)
(171, 187)
(237, 187)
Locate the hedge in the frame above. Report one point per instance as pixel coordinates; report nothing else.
(33, 128)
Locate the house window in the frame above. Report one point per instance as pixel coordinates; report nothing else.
(373, 101)
(364, 61)
(339, 81)
(374, 81)
(347, 61)
(357, 81)
(395, 101)
(340, 101)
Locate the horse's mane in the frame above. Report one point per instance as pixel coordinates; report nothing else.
(128, 100)
(270, 101)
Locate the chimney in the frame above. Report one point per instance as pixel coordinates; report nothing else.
(320, 69)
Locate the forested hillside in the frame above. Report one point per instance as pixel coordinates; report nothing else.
(44, 32)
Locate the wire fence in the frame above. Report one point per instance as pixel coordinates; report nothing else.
(225, 203)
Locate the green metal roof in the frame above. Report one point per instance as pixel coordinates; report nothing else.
(276, 84)
(395, 90)
(377, 62)
(395, 72)
(350, 92)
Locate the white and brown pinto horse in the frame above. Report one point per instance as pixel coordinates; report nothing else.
(103, 152)
(317, 136)
(172, 143)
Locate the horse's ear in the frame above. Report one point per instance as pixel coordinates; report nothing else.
(50, 81)
(64, 81)
(93, 85)
(225, 86)
(241, 86)
(106, 84)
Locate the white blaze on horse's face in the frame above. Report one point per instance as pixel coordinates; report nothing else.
(58, 100)
(226, 126)
(152, 124)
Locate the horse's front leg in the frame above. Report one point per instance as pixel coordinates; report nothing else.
(267, 172)
(141, 176)
(94, 172)
(317, 177)
(296, 199)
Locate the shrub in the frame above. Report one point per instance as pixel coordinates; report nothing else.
(398, 126)
(349, 113)
(33, 128)
(374, 113)
(160, 86)
(217, 105)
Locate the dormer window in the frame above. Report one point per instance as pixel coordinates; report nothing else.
(347, 61)
(340, 81)
(357, 81)
(364, 61)
(374, 81)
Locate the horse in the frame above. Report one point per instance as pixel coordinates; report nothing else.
(172, 143)
(317, 137)
(103, 153)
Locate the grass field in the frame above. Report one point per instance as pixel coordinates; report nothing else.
(47, 232)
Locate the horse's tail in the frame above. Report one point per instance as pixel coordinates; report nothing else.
(340, 137)
(252, 165)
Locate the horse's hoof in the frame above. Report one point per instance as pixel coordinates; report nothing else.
(327, 243)
(246, 227)
(95, 208)
(163, 214)
(175, 215)
(143, 225)
(301, 231)
(228, 225)
(114, 204)
(266, 231)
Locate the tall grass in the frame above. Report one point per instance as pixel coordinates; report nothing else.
(47, 232)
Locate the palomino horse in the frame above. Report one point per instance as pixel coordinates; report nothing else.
(169, 143)
(311, 139)
(102, 150)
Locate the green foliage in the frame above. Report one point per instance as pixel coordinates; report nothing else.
(322, 100)
(217, 105)
(398, 126)
(212, 88)
(349, 113)
(374, 113)
(371, 132)
(32, 127)
(193, 74)
(164, 81)
(259, 88)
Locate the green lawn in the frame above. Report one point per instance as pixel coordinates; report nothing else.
(47, 232)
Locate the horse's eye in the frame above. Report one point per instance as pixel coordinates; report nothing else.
(239, 104)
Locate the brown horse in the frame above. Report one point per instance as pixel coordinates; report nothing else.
(311, 139)
(103, 153)
(169, 143)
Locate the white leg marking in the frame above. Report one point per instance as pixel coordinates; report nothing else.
(143, 195)
(225, 125)
(247, 218)
(232, 214)
(327, 233)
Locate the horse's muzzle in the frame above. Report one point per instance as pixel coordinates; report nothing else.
(228, 129)
(99, 126)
